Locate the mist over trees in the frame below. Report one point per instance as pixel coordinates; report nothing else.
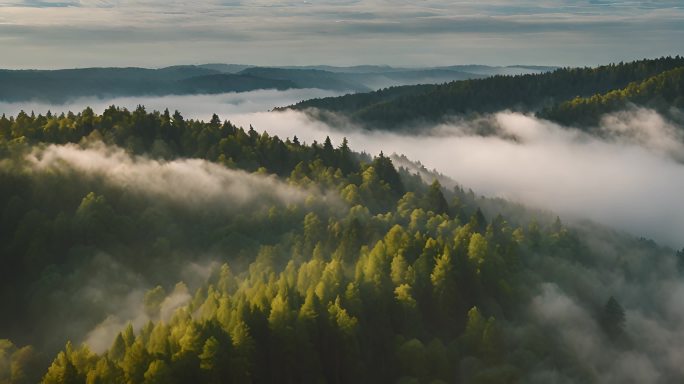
(332, 266)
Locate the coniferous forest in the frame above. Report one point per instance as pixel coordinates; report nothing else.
(574, 96)
(341, 192)
(141, 247)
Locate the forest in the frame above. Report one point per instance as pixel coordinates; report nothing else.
(573, 96)
(663, 93)
(141, 247)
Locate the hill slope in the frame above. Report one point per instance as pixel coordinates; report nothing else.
(180, 251)
(398, 107)
(660, 92)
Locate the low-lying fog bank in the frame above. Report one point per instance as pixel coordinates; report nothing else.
(192, 106)
(630, 181)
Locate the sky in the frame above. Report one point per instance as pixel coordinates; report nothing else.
(50, 34)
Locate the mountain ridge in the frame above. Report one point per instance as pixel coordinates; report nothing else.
(63, 85)
(410, 106)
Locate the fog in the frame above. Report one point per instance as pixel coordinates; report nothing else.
(116, 299)
(193, 106)
(629, 178)
(569, 304)
(117, 293)
(131, 310)
(579, 332)
(630, 181)
(190, 182)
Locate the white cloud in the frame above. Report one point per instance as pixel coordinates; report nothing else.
(578, 330)
(632, 184)
(193, 107)
(192, 182)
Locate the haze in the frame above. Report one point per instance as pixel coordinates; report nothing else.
(631, 182)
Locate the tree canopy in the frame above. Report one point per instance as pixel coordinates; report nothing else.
(374, 276)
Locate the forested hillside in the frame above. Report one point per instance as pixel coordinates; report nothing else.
(153, 249)
(661, 93)
(411, 106)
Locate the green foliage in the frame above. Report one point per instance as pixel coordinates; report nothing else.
(59, 223)
(323, 318)
(18, 365)
(383, 282)
(153, 300)
(660, 92)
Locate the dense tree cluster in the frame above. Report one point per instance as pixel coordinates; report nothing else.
(19, 365)
(409, 106)
(166, 136)
(660, 92)
(401, 281)
(52, 221)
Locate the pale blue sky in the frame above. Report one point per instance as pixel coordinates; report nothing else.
(71, 33)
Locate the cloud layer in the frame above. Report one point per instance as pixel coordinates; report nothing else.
(68, 33)
(630, 182)
(193, 107)
(191, 182)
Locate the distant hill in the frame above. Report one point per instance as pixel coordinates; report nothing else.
(219, 83)
(225, 68)
(61, 86)
(472, 69)
(308, 78)
(488, 70)
(397, 107)
(380, 80)
(356, 80)
(352, 69)
(381, 76)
